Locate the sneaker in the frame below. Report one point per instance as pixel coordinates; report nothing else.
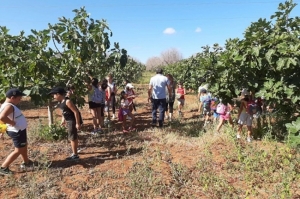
(238, 136)
(73, 157)
(153, 124)
(248, 139)
(99, 130)
(26, 165)
(5, 171)
(128, 118)
(167, 117)
(94, 131)
(113, 116)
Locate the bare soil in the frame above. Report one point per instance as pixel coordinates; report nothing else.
(106, 159)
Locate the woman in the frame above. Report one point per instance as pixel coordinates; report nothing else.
(95, 101)
(170, 97)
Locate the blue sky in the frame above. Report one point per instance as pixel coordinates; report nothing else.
(146, 28)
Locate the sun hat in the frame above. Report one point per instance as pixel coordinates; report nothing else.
(129, 85)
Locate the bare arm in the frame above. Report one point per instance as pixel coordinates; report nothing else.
(4, 115)
(109, 93)
(150, 92)
(241, 107)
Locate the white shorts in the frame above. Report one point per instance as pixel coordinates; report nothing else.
(245, 119)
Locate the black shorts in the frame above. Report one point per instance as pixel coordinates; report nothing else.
(19, 138)
(72, 130)
(93, 105)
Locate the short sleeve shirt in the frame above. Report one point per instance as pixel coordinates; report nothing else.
(159, 83)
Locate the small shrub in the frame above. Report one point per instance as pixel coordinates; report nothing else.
(53, 132)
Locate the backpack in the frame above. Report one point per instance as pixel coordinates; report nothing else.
(213, 104)
(221, 109)
(251, 108)
(207, 102)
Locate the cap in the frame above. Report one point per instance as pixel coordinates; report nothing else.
(129, 85)
(159, 70)
(56, 90)
(203, 90)
(14, 92)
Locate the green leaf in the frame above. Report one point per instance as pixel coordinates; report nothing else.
(255, 51)
(280, 63)
(269, 55)
(27, 92)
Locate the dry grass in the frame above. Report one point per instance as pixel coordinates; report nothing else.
(181, 160)
(168, 165)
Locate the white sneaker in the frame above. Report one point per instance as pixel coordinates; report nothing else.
(238, 136)
(248, 139)
(113, 117)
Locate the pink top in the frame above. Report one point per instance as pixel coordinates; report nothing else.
(181, 92)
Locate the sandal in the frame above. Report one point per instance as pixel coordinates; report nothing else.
(131, 129)
(125, 131)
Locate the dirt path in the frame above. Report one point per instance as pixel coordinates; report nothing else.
(98, 153)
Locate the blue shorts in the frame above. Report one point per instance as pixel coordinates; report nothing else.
(19, 138)
(216, 115)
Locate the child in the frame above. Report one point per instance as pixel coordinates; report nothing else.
(113, 89)
(205, 102)
(108, 92)
(213, 108)
(130, 95)
(245, 118)
(103, 87)
(124, 109)
(224, 114)
(180, 92)
(70, 118)
(16, 123)
(125, 83)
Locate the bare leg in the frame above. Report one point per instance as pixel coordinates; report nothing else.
(14, 155)
(124, 122)
(94, 114)
(220, 124)
(132, 119)
(74, 146)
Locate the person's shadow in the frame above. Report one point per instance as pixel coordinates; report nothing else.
(98, 158)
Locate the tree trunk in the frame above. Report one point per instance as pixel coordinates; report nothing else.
(50, 113)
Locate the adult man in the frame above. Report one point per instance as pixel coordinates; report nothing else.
(157, 95)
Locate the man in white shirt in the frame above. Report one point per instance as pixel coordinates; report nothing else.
(157, 95)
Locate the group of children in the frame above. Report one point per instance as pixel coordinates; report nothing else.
(101, 96)
(222, 110)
